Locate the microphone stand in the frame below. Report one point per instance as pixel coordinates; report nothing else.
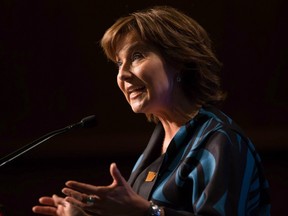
(88, 121)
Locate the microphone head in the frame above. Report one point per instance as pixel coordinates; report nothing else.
(88, 122)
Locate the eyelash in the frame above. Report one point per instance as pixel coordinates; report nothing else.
(134, 57)
(118, 64)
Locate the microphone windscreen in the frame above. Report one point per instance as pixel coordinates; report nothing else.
(89, 121)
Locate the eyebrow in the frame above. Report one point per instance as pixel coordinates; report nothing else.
(127, 49)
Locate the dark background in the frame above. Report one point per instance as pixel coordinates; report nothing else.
(53, 73)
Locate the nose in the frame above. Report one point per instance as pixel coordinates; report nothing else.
(124, 72)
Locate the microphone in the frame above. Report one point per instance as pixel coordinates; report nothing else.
(87, 122)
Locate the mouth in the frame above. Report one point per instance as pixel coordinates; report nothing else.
(136, 91)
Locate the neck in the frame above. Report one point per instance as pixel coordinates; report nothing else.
(172, 126)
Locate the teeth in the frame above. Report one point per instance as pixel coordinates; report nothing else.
(135, 92)
(137, 89)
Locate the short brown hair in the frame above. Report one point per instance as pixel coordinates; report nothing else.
(181, 40)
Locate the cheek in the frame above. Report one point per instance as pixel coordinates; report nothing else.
(120, 85)
(158, 78)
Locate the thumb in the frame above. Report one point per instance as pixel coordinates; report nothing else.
(116, 175)
(57, 200)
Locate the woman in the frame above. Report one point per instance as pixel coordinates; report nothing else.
(197, 162)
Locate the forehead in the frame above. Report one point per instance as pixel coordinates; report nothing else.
(131, 42)
(127, 43)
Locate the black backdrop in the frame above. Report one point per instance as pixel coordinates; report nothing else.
(53, 73)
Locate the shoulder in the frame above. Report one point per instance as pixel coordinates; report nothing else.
(217, 131)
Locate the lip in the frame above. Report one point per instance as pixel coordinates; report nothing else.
(135, 91)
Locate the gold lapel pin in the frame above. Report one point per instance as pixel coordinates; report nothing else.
(150, 176)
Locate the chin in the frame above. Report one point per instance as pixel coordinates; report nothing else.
(139, 106)
(137, 109)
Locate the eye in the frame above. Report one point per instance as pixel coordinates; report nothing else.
(119, 64)
(136, 56)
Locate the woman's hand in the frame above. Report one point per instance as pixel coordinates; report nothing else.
(57, 206)
(117, 198)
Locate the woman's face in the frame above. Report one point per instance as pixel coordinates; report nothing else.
(144, 77)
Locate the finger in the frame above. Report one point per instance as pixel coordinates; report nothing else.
(73, 193)
(116, 175)
(45, 210)
(47, 201)
(85, 203)
(57, 200)
(81, 187)
(76, 202)
(84, 188)
(63, 208)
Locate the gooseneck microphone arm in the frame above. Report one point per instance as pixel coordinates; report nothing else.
(88, 121)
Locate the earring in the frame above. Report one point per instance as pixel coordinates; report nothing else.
(178, 79)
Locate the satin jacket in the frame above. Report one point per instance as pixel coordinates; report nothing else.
(209, 168)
